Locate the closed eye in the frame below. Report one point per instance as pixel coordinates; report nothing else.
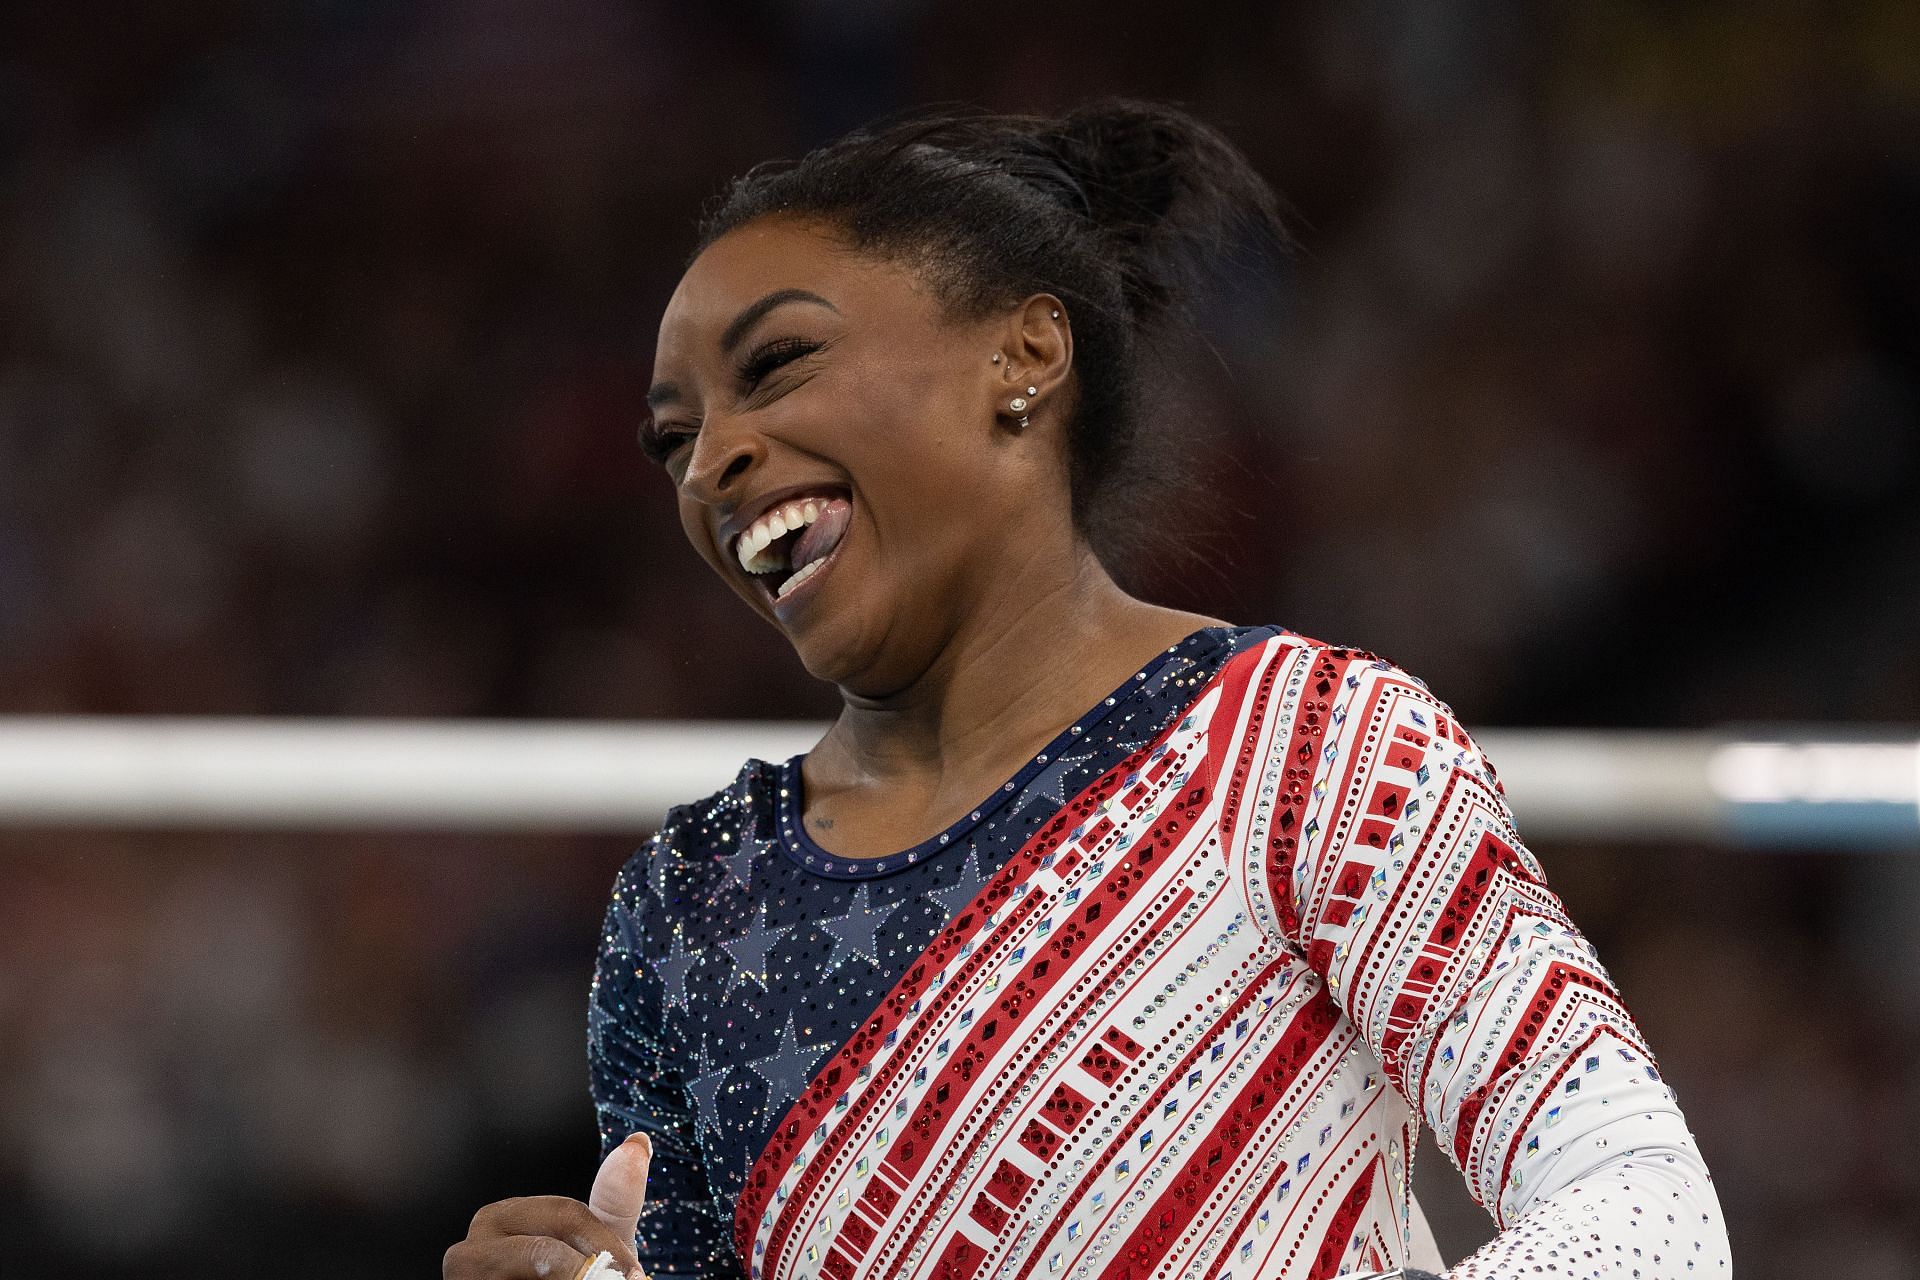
(661, 440)
(765, 358)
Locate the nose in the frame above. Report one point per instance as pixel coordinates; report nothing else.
(722, 454)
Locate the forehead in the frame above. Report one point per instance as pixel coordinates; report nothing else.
(780, 253)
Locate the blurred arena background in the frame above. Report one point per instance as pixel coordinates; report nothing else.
(323, 331)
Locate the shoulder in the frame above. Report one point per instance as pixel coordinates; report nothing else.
(1260, 644)
(1347, 700)
(695, 839)
(1307, 672)
(1331, 666)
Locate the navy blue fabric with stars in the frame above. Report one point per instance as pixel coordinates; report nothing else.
(737, 955)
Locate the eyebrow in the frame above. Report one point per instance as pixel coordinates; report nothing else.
(737, 328)
(665, 393)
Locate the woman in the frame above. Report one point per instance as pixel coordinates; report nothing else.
(1095, 938)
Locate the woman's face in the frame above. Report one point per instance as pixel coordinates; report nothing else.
(838, 447)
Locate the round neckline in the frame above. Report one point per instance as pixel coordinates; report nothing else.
(791, 835)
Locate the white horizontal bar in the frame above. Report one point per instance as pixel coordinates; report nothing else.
(462, 775)
(518, 775)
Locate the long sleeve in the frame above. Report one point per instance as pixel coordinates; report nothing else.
(634, 1052)
(1411, 893)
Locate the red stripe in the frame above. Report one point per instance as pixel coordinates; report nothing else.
(1288, 1169)
(1296, 778)
(1475, 881)
(1237, 676)
(1333, 1245)
(1387, 800)
(814, 1104)
(1403, 1019)
(1234, 1127)
(988, 1214)
(1559, 976)
(1034, 1137)
(960, 1260)
(1118, 1143)
(1027, 992)
(1416, 1084)
(1520, 1130)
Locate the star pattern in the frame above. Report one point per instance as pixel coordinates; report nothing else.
(706, 1096)
(739, 864)
(625, 942)
(598, 1019)
(788, 1068)
(673, 971)
(1050, 786)
(749, 950)
(854, 932)
(808, 955)
(957, 895)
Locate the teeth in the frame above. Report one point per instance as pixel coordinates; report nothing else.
(811, 568)
(777, 523)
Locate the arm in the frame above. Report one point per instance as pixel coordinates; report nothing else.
(1412, 894)
(684, 1228)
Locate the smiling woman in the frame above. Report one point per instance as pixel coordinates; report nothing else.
(1094, 936)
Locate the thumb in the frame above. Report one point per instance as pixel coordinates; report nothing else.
(620, 1188)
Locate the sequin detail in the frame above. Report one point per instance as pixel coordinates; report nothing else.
(1139, 1014)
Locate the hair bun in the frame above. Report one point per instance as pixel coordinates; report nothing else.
(1125, 211)
(1168, 191)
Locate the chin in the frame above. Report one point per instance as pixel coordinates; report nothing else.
(856, 649)
(834, 649)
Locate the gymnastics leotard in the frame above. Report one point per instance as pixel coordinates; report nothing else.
(1172, 1002)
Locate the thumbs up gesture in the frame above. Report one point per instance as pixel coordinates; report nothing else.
(620, 1191)
(555, 1238)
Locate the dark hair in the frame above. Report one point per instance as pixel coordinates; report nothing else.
(1116, 207)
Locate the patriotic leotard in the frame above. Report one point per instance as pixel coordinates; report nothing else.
(1158, 1008)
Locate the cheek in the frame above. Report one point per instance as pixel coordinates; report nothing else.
(913, 432)
(693, 524)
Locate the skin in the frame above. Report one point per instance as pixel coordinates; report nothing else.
(552, 1237)
(964, 619)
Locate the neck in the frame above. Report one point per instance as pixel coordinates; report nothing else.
(1008, 678)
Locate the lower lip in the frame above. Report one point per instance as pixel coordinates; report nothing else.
(784, 606)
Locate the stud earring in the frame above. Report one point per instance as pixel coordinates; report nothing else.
(1019, 404)
(996, 357)
(1056, 315)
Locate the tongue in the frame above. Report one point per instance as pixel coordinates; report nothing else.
(823, 535)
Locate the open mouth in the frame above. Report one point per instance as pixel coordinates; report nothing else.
(789, 544)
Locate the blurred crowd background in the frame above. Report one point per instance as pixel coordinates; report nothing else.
(1593, 399)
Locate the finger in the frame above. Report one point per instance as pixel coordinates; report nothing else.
(620, 1188)
(513, 1258)
(565, 1220)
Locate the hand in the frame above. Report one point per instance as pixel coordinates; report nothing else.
(552, 1237)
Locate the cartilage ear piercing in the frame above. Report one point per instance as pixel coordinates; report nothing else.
(996, 357)
(1056, 315)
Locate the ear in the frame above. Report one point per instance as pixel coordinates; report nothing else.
(1038, 348)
